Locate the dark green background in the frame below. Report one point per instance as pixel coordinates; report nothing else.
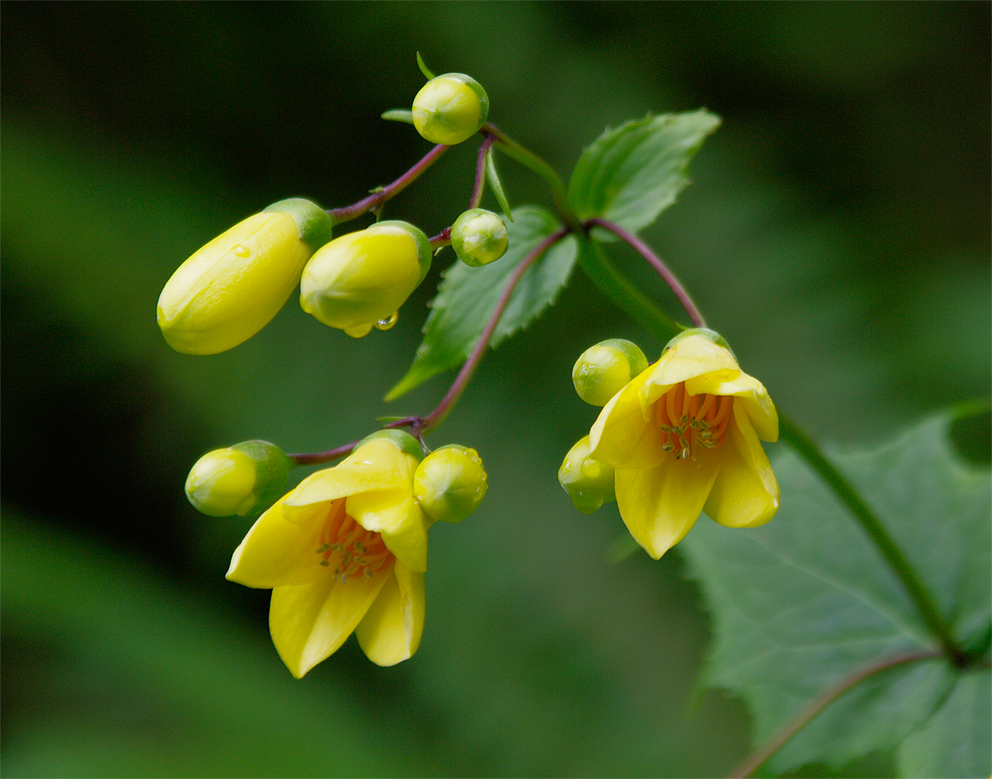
(837, 234)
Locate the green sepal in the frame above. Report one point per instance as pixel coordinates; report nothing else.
(423, 67)
(272, 468)
(404, 115)
(424, 250)
(402, 440)
(495, 185)
(313, 221)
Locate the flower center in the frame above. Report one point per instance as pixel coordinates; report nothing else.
(349, 548)
(689, 423)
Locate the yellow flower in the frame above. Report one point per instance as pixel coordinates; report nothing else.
(683, 437)
(344, 552)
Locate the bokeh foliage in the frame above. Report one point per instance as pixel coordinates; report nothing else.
(837, 233)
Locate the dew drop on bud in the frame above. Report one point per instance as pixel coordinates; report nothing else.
(388, 322)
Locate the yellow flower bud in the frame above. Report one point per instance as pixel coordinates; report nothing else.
(232, 287)
(588, 482)
(450, 109)
(606, 368)
(242, 479)
(479, 237)
(360, 280)
(450, 483)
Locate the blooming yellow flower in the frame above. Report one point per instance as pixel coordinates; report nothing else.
(344, 552)
(683, 438)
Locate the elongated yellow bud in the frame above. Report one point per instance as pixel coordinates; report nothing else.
(360, 280)
(232, 287)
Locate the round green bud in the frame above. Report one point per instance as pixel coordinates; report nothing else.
(402, 440)
(450, 109)
(243, 479)
(588, 482)
(450, 483)
(479, 237)
(358, 281)
(232, 287)
(606, 368)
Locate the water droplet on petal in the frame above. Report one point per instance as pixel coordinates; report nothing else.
(388, 322)
(241, 251)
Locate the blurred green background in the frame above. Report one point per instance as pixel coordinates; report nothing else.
(837, 233)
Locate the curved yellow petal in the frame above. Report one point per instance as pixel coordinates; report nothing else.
(402, 524)
(750, 392)
(692, 356)
(308, 623)
(660, 505)
(621, 437)
(277, 552)
(746, 493)
(390, 631)
(376, 465)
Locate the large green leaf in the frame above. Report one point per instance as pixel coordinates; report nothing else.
(467, 297)
(631, 174)
(806, 602)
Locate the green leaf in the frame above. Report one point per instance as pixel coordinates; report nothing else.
(467, 297)
(398, 115)
(631, 174)
(492, 177)
(931, 751)
(806, 602)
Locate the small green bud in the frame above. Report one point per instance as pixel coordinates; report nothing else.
(709, 335)
(243, 479)
(588, 482)
(359, 280)
(606, 368)
(402, 440)
(450, 109)
(231, 288)
(450, 483)
(479, 237)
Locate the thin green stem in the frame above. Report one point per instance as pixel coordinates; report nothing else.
(625, 295)
(534, 163)
(658, 264)
(917, 591)
(753, 761)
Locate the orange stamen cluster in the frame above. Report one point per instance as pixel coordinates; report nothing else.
(349, 548)
(690, 422)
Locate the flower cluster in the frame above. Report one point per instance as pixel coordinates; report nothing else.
(683, 438)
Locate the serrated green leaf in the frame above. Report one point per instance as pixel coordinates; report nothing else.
(398, 115)
(492, 178)
(631, 174)
(467, 297)
(805, 602)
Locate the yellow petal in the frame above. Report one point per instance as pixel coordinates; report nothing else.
(391, 630)
(660, 505)
(746, 493)
(376, 465)
(308, 623)
(690, 357)
(400, 520)
(750, 392)
(621, 437)
(277, 552)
